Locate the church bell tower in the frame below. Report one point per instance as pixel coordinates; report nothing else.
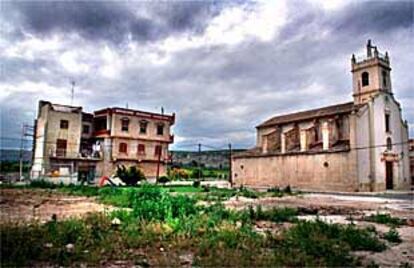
(370, 74)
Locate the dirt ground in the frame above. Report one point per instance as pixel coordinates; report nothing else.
(330, 204)
(339, 209)
(23, 205)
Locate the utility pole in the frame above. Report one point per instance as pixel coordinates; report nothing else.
(159, 162)
(230, 166)
(21, 153)
(198, 163)
(25, 133)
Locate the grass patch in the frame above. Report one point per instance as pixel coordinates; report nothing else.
(392, 236)
(274, 214)
(385, 219)
(176, 223)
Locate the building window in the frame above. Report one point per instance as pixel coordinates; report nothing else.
(384, 78)
(123, 148)
(124, 124)
(365, 79)
(99, 123)
(64, 124)
(160, 129)
(141, 149)
(143, 127)
(387, 122)
(86, 129)
(158, 150)
(389, 144)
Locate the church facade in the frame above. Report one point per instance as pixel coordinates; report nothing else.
(360, 145)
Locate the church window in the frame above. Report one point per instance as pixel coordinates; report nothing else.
(339, 127)
(389, 144)
(387, 122)
(384, 78)
(365, 79)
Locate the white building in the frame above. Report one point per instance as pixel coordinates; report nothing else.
(355, 146)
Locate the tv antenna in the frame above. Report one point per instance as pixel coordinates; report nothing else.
(72, 92)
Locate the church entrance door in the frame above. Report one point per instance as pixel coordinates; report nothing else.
(389, 175)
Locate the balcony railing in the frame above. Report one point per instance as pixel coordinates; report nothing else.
(84, 154)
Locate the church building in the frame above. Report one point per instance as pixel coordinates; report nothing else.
(354, 146)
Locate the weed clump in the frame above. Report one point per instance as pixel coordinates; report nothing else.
(321, 244)
(274, 214)
(385, 219)
(152, 203)
(392, 236)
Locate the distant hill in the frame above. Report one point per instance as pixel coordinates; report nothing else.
(14, 155)
(211, 159)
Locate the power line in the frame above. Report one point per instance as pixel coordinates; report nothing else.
(197, 144)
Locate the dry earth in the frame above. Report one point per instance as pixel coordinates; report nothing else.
(22, 205)
(339, 209)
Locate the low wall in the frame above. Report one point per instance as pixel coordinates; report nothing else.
(322, 171)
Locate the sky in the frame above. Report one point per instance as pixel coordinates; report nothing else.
(222, 66)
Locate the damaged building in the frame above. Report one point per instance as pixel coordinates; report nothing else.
(355, 146)
(72, 145)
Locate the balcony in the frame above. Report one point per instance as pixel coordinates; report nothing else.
(102, 132)
(83, 155)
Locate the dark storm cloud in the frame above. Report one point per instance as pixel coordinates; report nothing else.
(375, 17)
(355, 18)
(113, 21)
(220, 92)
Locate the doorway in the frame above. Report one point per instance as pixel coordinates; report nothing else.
(61, 146)
(389, 175)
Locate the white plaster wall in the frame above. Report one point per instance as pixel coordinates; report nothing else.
(397, 136)
(362, 141)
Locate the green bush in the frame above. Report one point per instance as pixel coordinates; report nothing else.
(121, 197)
(163, 179)
(287, 190)
(357, 239)
(385, 219)
(248, 193)
(43, 184)
(196, 184)
(274, 214)
(80, 190)
(131, 175)
(392, 236)
(196, 173)
(152, 203)
(321, 244)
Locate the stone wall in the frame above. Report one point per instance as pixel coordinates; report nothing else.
(322, 171)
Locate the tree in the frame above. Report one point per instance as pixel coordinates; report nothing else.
(131, 175)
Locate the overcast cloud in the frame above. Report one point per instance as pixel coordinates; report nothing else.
(221, 66)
